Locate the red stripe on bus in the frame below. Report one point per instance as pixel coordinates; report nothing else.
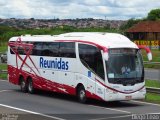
(118, 90)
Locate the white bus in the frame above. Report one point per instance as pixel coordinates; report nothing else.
(103, 66)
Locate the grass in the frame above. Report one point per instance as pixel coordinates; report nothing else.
(153, 98)
(156, 58)
(3, 66)
(155, 55)
(3, 75)
(152, 83)
(152, 66)
(3, 48)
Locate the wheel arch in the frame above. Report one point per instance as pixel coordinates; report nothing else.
(20, 78)
(28, 78)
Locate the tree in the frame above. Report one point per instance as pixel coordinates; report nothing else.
(130, 23)
(154, 15)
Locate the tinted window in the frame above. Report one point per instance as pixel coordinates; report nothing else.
(37, 48)
(12, 48)
(53, 49)
(18, 49)
(67, 49)
(91, 57)
(50, 49)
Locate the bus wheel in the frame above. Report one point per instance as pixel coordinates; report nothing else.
(82, 94)
(30, 86)
(23, 85)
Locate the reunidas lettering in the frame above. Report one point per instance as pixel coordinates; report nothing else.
(56, 64)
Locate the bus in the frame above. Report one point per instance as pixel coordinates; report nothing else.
(102, 66)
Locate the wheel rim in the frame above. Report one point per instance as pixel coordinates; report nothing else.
(82, 95)
(30, 86)
(22, 84)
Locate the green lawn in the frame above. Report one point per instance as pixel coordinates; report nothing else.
(3, 66)
(152, 66)
(152, 83)
(155, 58)
(153, 98)
(3, 48)
(3, 75)
(155, 55)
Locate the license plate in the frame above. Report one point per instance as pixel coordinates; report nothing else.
(128, 97)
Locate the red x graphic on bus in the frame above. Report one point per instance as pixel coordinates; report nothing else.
(27, 50)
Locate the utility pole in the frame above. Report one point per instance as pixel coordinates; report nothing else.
(105, 17)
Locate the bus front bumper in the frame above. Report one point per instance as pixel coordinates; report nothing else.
(117, 96)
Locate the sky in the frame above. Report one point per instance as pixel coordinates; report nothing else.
(72, 9)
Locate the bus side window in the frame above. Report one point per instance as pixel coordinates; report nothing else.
(54, 47)
(67, 49)
(20, 50)
(91, 58)
(37, 49)
(47, 49)
(12, 47)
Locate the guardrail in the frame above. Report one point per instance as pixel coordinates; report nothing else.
(153, 90)
(147, 62)
(3, 71)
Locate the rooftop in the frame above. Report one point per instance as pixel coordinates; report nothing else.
(146, 26)
(109, 40)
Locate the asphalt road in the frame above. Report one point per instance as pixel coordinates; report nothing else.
(48, 105)
(152, 74)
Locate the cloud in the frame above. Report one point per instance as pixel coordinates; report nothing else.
(63, 9)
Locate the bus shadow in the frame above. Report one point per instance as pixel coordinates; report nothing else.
(51, 94)
(114, 104)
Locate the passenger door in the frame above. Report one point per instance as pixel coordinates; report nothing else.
(100, 75)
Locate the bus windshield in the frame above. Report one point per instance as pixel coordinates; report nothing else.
(124, 64)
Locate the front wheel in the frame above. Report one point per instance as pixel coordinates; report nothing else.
(82, 94)
(30, 86)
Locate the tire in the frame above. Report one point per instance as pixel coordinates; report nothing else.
(30, 87)
(82, 95)
(23, 85)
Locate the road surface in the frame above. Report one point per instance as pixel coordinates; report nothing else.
(152, 74)
(52, 106)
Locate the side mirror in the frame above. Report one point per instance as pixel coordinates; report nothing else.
(149, 55)
(105, 55)
(148, 51)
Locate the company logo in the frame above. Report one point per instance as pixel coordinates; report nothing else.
(56, 64)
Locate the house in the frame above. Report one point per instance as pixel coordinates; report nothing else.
(145, 33)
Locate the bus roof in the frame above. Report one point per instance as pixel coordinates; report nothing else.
(109, 40)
